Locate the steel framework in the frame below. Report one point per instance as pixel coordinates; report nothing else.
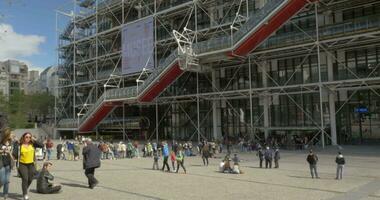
(328, 41)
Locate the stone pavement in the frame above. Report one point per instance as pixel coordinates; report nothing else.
(134, 179)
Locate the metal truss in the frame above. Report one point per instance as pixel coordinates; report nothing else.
(315, 44)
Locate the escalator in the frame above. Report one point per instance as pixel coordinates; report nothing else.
(260, 26)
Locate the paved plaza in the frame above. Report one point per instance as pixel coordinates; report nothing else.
(134, 179)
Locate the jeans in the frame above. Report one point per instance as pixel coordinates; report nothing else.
(339, 171)
(165, 163)
(48, 154)
(5, 173)
(313, 171)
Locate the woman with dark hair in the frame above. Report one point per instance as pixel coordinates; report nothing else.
(26, 161)
(6, 160)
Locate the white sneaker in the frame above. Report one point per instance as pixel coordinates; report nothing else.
(26, 197)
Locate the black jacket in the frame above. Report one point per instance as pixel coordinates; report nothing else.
(43, 181)
(340, 160)
(91, 156)
(277, 155)
(268, 154)
(312, 159)
(59, 148)
(5, 158)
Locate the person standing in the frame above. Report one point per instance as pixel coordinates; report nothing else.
(340, 161)
(260, 154)
(165, 154)
(43, 185)
(26, 161)
(268, 155)
(6, 160)
(49, 148)
(91, 161)
(312, 159)
(276, 158)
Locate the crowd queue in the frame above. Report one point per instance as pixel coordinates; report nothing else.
(23, 154)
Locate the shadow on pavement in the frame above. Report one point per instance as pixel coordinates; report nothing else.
(74, 185)
(15, 196)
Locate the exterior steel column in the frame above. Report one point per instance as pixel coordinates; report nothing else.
(319, 77)
(332, 101)
(265, 100)
(156, 122)
(216, 114)
(252, 129)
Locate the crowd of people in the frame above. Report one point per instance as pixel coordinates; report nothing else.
(21, 153)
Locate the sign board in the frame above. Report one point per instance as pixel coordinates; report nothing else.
(137, 46)
(361, 110)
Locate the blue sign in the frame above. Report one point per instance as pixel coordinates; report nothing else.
(361, 110)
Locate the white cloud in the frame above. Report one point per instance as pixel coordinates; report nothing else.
(14, 45)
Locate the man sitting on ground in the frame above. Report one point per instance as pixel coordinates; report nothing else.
(43, 184)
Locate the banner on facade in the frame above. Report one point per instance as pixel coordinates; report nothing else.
(137, 46)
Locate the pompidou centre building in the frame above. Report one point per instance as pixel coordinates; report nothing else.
(264, 70)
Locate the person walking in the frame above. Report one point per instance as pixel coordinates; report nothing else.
(156, 157)
(59, 151)
(26, 161)
(205, 153)
(43, 184)
(70, 149)
(165, 154)
(91, 161)
(6, 160)
(173, 159)
(340, 161)
(260, 154)
(180, 157)
(276, 158)
(312, 159)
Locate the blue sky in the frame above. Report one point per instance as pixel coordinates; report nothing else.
(30, 28)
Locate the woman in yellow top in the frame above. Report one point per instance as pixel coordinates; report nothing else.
(25, 161)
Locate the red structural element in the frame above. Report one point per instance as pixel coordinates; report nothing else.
(104, 109)
(267, 29)
(248, 45)
(164, 81)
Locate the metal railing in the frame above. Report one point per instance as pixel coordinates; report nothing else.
(325, 32)
(165, 63)
(255, 20)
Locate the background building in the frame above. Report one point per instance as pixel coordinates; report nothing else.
(238, 73)
(13, 76)
(47, 81)
(34, 75)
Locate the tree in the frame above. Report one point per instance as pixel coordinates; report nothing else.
(19, 107)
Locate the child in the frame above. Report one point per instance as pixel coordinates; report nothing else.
(173, 159)
(156, 157)
(180, 160)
